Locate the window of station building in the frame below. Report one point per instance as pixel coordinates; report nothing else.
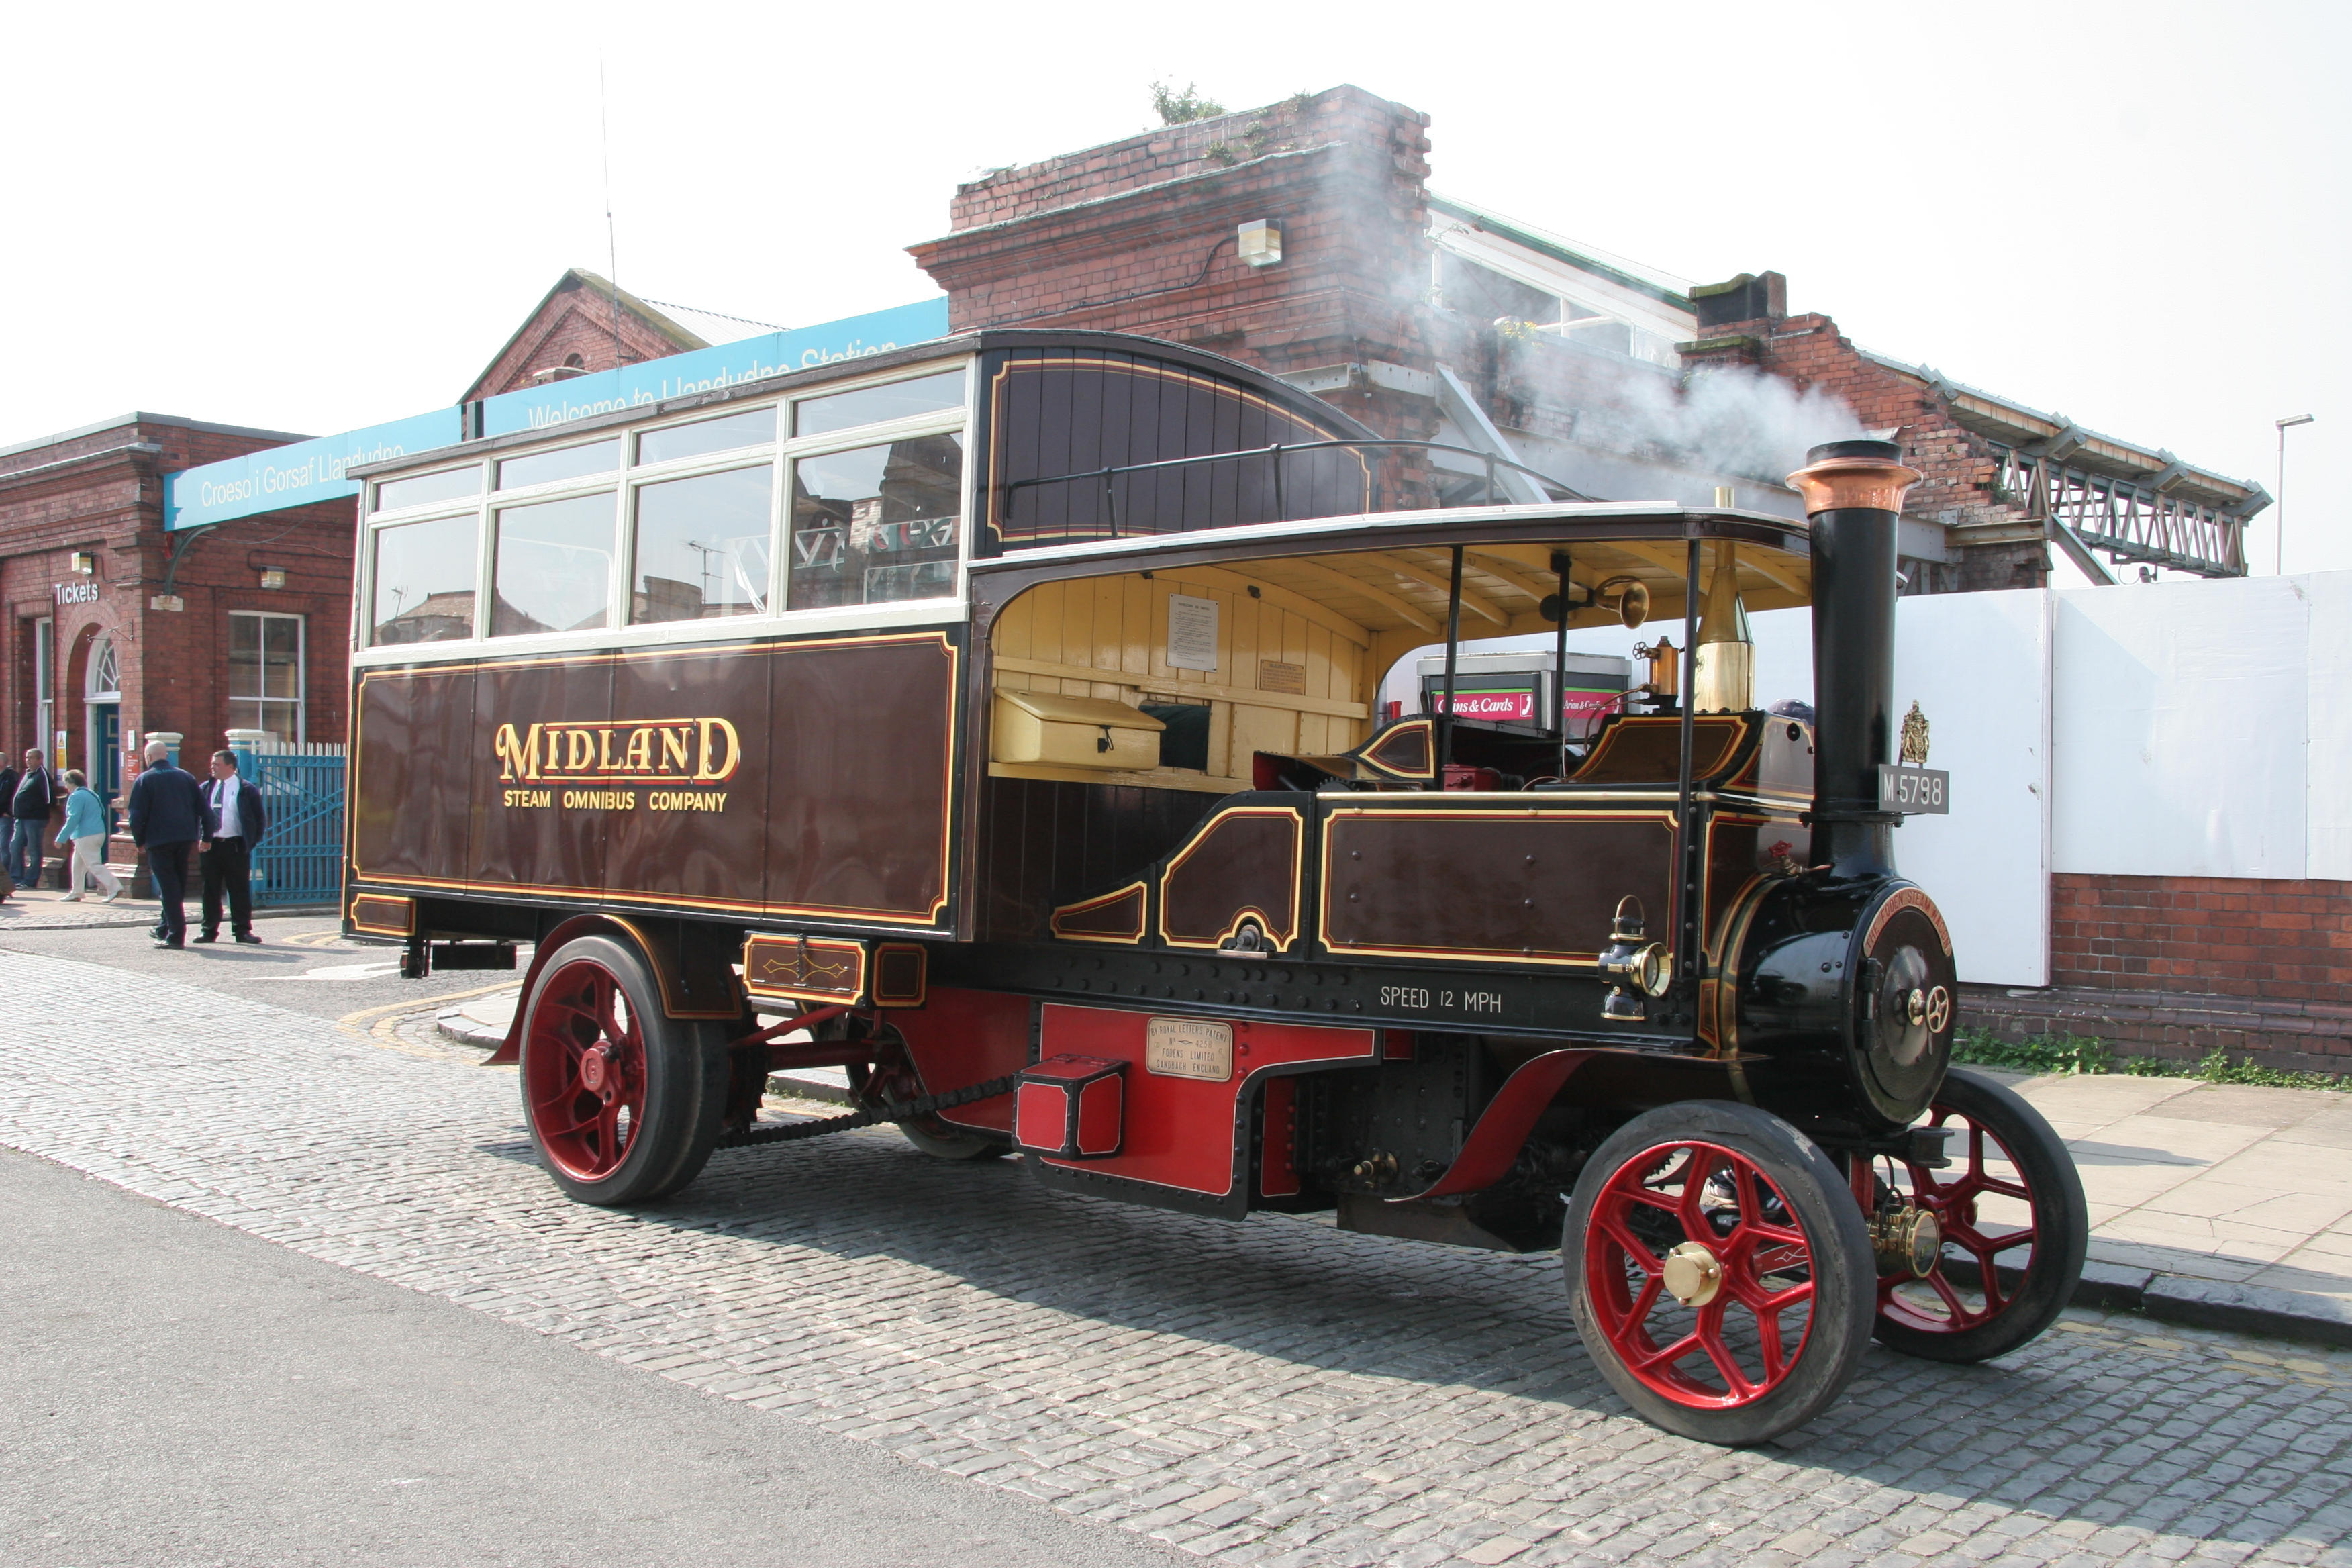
(875, 405)
(423, 489)
(729, 433)
(563, 463)
(876, 524)
(265, 673)
(699, 547)
(45, 675)
(553, 569)
(425, 576)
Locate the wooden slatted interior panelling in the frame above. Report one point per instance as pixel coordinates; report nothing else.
(1108, 638)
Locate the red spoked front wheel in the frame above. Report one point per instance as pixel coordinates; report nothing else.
(1978, 1255)
(1719, 1271)
(622, 1102)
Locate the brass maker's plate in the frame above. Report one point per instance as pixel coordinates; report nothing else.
(1189, 1048)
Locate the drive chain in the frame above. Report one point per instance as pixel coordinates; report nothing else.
(791, 1132)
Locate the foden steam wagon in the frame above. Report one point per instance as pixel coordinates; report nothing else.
(999, 717)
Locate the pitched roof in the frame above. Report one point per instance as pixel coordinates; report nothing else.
(683, 327)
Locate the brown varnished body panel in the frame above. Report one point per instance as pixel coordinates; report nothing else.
(551, 846)
(412, 739)
(838, 810)
(1646, 749)
(859, 763)
(680, 849)
(1042, 843)
(1511, 885)
(1065, 411)
(1116, 917)
(1246, 862)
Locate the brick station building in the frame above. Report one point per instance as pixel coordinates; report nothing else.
(117, 628)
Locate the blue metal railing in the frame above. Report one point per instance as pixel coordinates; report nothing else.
(300, 857)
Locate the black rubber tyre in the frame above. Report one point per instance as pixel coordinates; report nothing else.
(941, 1141)
(1801, 1244)
(596, 996)
(2030, 1293)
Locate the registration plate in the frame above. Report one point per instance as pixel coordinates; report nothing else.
(1913, 791)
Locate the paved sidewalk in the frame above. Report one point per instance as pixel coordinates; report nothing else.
(2245, 1191)
(46, 908)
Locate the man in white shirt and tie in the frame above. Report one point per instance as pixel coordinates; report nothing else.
(234, 822)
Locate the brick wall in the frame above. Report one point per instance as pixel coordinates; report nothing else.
(2177, 967)
(2221, 935)
(1137, 236)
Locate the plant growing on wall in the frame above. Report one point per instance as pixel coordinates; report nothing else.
(1182, 107)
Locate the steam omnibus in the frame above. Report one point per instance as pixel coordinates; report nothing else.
(997, 716)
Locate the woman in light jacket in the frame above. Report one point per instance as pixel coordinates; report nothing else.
(85, 829)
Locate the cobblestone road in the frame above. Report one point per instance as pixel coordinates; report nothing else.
(1272, 1392)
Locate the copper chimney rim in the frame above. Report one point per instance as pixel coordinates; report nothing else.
(1860, 473)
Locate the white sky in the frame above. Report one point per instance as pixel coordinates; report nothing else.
(311, 217)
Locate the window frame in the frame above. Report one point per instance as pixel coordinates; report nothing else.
(302, 698)
(45, 682)
(624, 483)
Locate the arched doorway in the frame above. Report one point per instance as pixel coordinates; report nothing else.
(102, 716)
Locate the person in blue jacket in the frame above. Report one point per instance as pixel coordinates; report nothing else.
(84, 838)
(167, 815)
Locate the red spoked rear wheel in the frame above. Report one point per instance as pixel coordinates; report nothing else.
(1719, 1271)
(584, 1069)
(624, 1102)
(2005, 1229)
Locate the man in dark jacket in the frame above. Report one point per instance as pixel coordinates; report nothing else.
(233, 823)
(167, 814)
(29, 819)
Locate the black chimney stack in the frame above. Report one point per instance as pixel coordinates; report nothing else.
(1853, 497)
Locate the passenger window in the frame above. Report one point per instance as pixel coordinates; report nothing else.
(554, 567)
(424, 581)
(874, 405)
(449, 484)
(563, 463)
(877, 525)
(701, 547)
(727, 434)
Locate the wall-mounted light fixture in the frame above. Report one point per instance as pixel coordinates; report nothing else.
(85, 563)
(1261, 243)
(273, 576)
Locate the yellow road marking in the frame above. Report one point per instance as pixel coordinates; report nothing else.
(349, 1022)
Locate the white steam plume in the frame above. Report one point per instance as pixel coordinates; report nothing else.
(1731, 421)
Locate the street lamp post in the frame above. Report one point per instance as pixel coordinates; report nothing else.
(2278, 561)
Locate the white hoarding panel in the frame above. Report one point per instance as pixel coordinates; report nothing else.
(2328, 789)
(1978, 666)
(2181, 714)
